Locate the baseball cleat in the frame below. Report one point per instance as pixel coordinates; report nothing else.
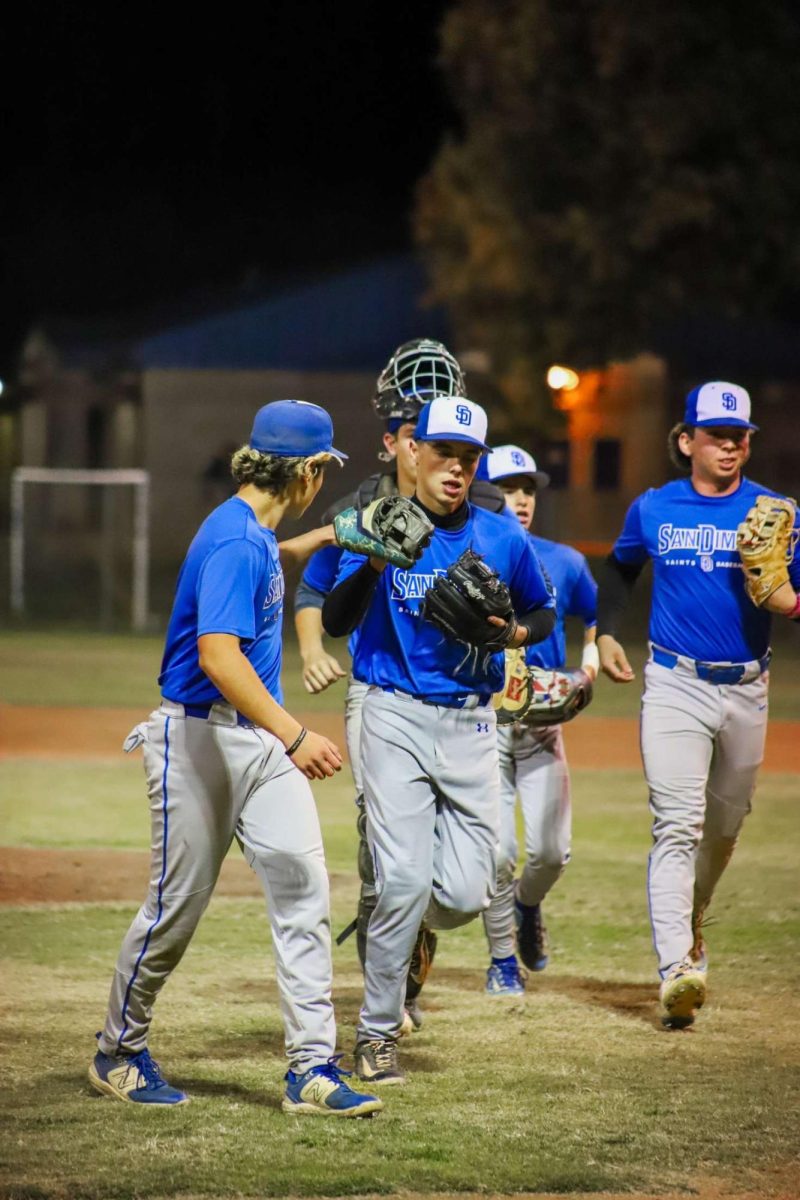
(531, 935)
(322, 1092)
(376, 1062)
(683, 991)
(504, 978)
(135, 1078)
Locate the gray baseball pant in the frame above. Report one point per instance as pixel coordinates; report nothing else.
(208, 782)
(533, 765)
(432, 791)
(702, 745)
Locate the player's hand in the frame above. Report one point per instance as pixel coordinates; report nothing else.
(317, 756)
(519, 636)
(320, 670)
(613, 661)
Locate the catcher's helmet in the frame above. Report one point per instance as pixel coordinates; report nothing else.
(417, 372)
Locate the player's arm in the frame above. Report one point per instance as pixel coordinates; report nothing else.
(320, 669)
(617, 577)
(534, 594)
(222, 660)
(582, 603)
(297, 550)
(346, 604)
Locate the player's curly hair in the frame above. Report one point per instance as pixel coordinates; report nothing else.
(676, 455)
(273, 473)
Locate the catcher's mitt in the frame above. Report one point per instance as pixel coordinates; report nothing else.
(766, 540)
(515, 699)
(392, 528)
(461, 601)
(558, 696)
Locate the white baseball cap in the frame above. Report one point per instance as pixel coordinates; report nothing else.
(513, 460)
(718, 403)
(452, 419)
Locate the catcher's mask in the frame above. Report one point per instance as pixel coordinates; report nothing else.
(417, 372)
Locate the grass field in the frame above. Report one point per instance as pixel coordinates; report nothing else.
(573, 1089)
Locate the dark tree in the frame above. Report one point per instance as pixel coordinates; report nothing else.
(618, 166)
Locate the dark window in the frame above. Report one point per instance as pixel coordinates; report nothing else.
(607, 462)
(554, 459)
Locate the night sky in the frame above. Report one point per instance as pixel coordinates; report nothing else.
(145, 161)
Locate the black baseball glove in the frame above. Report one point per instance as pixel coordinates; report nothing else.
(461, 601)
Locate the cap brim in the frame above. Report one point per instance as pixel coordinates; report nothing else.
(727, 422)
(454, 437)
(540, 478)
(338, 455)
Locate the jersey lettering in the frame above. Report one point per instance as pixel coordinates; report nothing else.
(703, 539)
(408, 586)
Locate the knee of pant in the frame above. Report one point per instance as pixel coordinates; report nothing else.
(469, 898)
(676, 832)
(549, 858)
(294, 875)
(403, 886)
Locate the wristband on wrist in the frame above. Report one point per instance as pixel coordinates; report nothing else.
(296, 743)
(591, 657)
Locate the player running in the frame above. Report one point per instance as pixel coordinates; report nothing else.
(428, 744)
(224, 759)
(704, 708)
(417, 371)
(533, 762)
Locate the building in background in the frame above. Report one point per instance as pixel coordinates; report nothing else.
(174, 392)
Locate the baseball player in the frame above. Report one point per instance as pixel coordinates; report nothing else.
(704, 708)
(224, 759)
(533, 763)
(416, 372)
(428, 746)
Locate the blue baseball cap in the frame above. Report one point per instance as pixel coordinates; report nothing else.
(452, 419)
(293, 429)
(718, 403)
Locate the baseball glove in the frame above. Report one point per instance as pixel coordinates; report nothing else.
(392, 528)
(558, 696)
(766, 540)
(515, 699)
(461, 601)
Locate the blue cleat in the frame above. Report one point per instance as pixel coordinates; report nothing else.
(504, 978)
(531, 935)
(322, 1092)
(134, 1078)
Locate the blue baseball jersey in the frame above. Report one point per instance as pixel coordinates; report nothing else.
(231, 581)
(576, 596)
(397, 648)
(699, 607)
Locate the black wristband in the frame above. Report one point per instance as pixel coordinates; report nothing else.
(296, 743)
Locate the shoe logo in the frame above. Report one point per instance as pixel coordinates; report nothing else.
(318, 1090)
(365, 1070)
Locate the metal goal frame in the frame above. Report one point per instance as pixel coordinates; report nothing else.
(115, 477)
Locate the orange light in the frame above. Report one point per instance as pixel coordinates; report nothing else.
(562, 379)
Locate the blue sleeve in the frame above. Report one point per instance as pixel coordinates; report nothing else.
(529, 585)
(226, 589)
(630, 546)
(582, 601)
(321, 569)
(349, 563)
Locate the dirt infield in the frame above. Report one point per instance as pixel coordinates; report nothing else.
(604, 743)
(30, 876)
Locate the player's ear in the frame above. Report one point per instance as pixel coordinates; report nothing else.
(390, 443)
